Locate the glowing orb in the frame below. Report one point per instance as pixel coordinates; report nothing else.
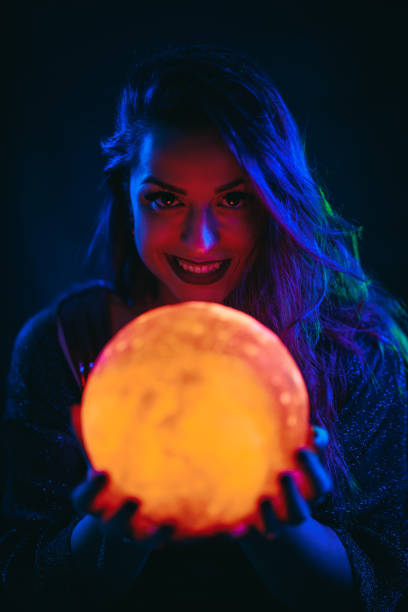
(193, 409)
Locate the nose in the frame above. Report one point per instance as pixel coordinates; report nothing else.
(200, 232)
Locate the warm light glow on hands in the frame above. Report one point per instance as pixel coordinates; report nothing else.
(294, 509)
(194, 410)
(118, 525)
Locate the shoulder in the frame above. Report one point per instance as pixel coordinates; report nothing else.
(377, 397)
(40, 328)
(38, 371)
(80, 293)
(37, 341)
(377, 364)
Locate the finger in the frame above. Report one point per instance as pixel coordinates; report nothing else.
(237, 532)
(84, 494)
(321, 438)
(166, 532)
(157, 539)
(320, 478)
(270, 519)
(163, 535)
(297, 507)
(118, 524)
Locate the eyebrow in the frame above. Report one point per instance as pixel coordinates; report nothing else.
(152, 179)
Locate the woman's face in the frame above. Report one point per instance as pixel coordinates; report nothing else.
(203, 211)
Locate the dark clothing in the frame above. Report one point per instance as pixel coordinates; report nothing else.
(45, 463)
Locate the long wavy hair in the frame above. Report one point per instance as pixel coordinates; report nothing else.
(307, 284)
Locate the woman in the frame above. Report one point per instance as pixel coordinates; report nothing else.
(206, 167)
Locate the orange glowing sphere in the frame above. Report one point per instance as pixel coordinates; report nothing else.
(193, 410)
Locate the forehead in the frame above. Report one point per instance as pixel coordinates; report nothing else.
(179, 156)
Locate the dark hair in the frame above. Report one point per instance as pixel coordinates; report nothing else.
(307, 284)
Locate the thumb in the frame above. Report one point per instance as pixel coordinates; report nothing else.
(321, 438)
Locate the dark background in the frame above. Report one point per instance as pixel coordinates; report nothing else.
(341, 71)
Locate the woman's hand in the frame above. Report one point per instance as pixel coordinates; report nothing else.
(300, 560)
(108, 547)
(118, 525)
(298, 509)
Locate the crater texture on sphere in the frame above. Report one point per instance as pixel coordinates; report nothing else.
(193, 409)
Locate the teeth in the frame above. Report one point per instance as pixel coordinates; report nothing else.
(198, 269)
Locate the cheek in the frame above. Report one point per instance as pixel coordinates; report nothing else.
(150, 234)
(244, 236)
(256, 230)
(246, 244)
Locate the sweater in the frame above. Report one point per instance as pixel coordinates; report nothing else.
(52, 356)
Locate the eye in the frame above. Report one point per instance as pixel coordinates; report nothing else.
(155, 196)
(237, 195)
(167, 198)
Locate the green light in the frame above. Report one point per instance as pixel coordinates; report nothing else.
(327, 205)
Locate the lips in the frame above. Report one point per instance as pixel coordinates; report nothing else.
(200, 263)
(195, 278)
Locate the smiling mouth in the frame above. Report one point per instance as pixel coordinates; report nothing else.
(198, 278)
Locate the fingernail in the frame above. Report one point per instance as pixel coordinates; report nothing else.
(321, 436)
